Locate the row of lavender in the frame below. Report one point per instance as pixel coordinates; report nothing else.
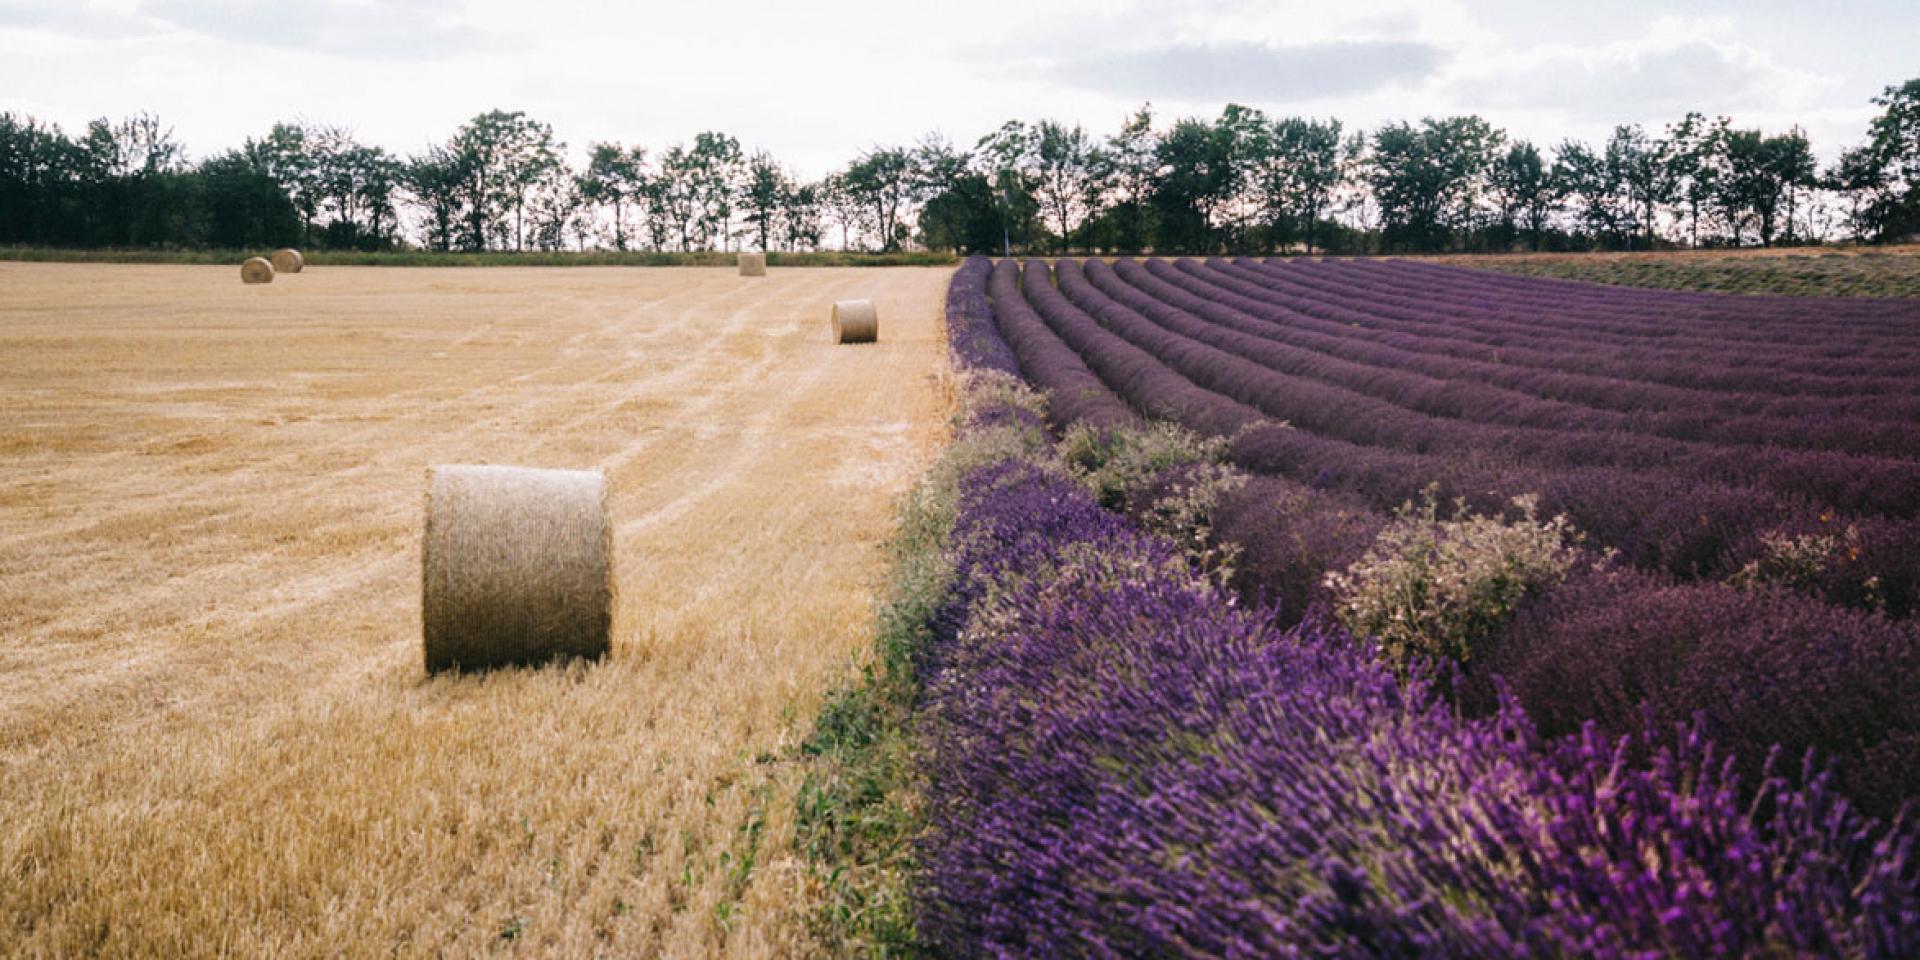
(1123, 761)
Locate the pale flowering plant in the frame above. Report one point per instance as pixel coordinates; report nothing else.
(1431, 588)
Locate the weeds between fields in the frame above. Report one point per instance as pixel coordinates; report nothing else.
(424, 258)
(1869, 273)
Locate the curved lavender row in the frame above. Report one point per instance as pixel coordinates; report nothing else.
(1123, 763)
(1661, 319)
(1844, 307)
(1686, 529)
(1527, 370)
(972, 335)
(1658, 314)
(1594, 316)
(1734, 364)
(1537, 346)
(1136, 375)
(1221, 361)
(1551, 374)
(1466, 389)
(1074, 393)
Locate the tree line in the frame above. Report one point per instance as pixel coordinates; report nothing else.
(1242, 182)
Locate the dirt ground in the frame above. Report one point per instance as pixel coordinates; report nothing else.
(216, 736)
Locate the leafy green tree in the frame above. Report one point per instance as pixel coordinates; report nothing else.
(800, 212)
(1195, 181)
(848, 210)
(1426, 178)
(1000, 157)
(884, 181)
(1883, 175)
(243, 205)
(1641, 173)
(1300, 168)
(615, 178)
(1526, 190)
(1598, 201)
(717, 168)
(765, 197)
(1062, 161)
(1696, 163)
(1125, 169)
(439, 183)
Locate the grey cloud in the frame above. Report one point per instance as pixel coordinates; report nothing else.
(382, 30)
(1692, 75)
(1253, 71)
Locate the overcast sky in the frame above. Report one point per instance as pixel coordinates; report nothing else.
(816, 82)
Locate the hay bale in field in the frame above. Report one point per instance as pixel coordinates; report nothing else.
(753, 264)
(855, 321)
(256, 270)
(516, 568)
(288, 261)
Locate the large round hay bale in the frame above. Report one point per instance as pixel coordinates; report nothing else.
(256, 270)
(288, 261)
(855, 321)
(753, 264)
(516, 568)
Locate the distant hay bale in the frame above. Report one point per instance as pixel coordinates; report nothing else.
(516, 568)
(753, 264)
(288, 261)
(855, 321)
(256, 270)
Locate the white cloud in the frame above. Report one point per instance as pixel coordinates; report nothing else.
(1677, 65)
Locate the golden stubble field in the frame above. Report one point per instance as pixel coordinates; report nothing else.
(216, 736)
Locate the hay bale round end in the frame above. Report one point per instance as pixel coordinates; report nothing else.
(855, 321)
(288, 261)
(753, 264)
(516, 567)
(256, 270)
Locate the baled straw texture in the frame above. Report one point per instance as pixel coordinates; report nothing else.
(256, 270)
(517, 567)
(855, 321)
(753, 264)
(288, 261)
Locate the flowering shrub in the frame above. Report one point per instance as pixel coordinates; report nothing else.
(1431, 588)
(1167, 478)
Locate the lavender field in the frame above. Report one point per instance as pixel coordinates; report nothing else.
(1498, 616)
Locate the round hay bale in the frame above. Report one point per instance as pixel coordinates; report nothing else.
(516, 568)
(288, 261)
(256, 270)
(753, 264)
(855, 321)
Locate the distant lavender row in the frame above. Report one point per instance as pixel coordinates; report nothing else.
(1524, 338)
(1610, 313)
(1343, 400)
(1519, 364)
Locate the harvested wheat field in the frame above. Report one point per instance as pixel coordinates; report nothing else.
(216, 733)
